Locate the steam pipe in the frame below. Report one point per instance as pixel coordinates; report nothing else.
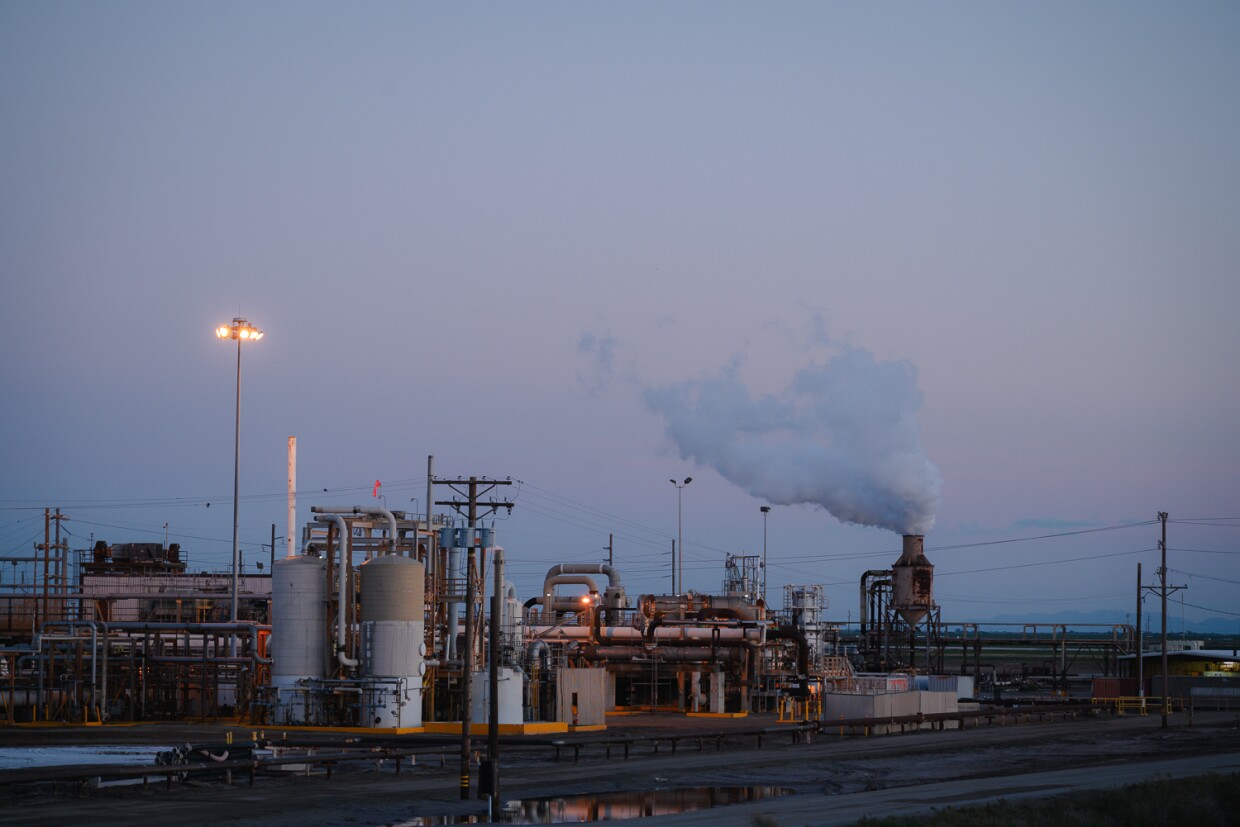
(789, 633)
(613, 576)
(370, 512)
(655, 623)
(342, 575)
(871, 573)
(686, 654)
(555, 578)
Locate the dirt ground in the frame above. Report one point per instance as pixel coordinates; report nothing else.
(823, 774)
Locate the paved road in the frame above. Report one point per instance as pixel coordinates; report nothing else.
(838, 780)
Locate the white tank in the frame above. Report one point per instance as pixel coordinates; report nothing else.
(392, 621)
(298, 624)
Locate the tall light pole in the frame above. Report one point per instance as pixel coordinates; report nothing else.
(242, 331)
(680, 537)
(765, 509)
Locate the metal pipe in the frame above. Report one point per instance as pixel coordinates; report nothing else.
(368, 511)
(687, 654)
(864, 577)
(551, 581)
(613, 576)
(660, 634)
(342, 576)
(431, 563)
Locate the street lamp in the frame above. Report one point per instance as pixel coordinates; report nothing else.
(765, 509)
(242, 331)
(680, 538)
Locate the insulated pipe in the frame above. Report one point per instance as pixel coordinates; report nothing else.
(717, 614)
(613, 576)
(454, 608)
(342, 575)
(687, 654)
(555, 579)
(510, 618)
(538, 649)
(652, 628)
(662, 635)
(370, 512)
(864, 578)
(789, 633)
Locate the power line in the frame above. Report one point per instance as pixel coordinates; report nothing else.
(1046, 562)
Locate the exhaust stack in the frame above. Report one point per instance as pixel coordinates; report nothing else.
(912, 581)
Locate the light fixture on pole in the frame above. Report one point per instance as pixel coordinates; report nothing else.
(680, 538)
(241, 331)
(765, 509)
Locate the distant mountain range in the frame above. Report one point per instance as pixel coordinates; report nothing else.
(1149, 621)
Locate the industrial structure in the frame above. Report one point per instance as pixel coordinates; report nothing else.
(380, 620)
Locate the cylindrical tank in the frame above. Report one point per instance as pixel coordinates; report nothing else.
(393, 620)
(912, 581)
(298, 623)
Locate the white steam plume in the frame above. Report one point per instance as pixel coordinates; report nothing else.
(842, 436)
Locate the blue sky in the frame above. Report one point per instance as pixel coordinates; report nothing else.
(501, 233)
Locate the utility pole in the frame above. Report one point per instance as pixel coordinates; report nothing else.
(1140, 646)
(491, 777)
(1162, 574)
(765, 509)
(610, 548)
(673, 567)
(470, 503)
(61, 570)
(47, 550)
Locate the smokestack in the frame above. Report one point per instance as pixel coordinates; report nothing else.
(914, 548)
(290, 535)
(912, 581)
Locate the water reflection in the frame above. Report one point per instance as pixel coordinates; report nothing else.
(613, 806)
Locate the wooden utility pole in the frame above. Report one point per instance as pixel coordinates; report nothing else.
(1140, 646)
(470, 504)
(1162, 574)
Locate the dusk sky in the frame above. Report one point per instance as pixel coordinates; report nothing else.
(965, 268)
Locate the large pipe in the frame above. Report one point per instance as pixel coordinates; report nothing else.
(369, 512)
(342, 575)
(661, 635)
(864, 617)
(685, 654)
(454, 608)
(613, 576)
(554, 578)
(796, 635)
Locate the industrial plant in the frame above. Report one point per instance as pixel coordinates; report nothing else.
(384, 621)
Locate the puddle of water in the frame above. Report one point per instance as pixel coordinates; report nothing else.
(612, 806)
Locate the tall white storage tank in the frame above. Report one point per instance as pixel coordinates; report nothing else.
(392, 619)
(298, 628)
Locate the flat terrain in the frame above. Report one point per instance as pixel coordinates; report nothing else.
(836, 780)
